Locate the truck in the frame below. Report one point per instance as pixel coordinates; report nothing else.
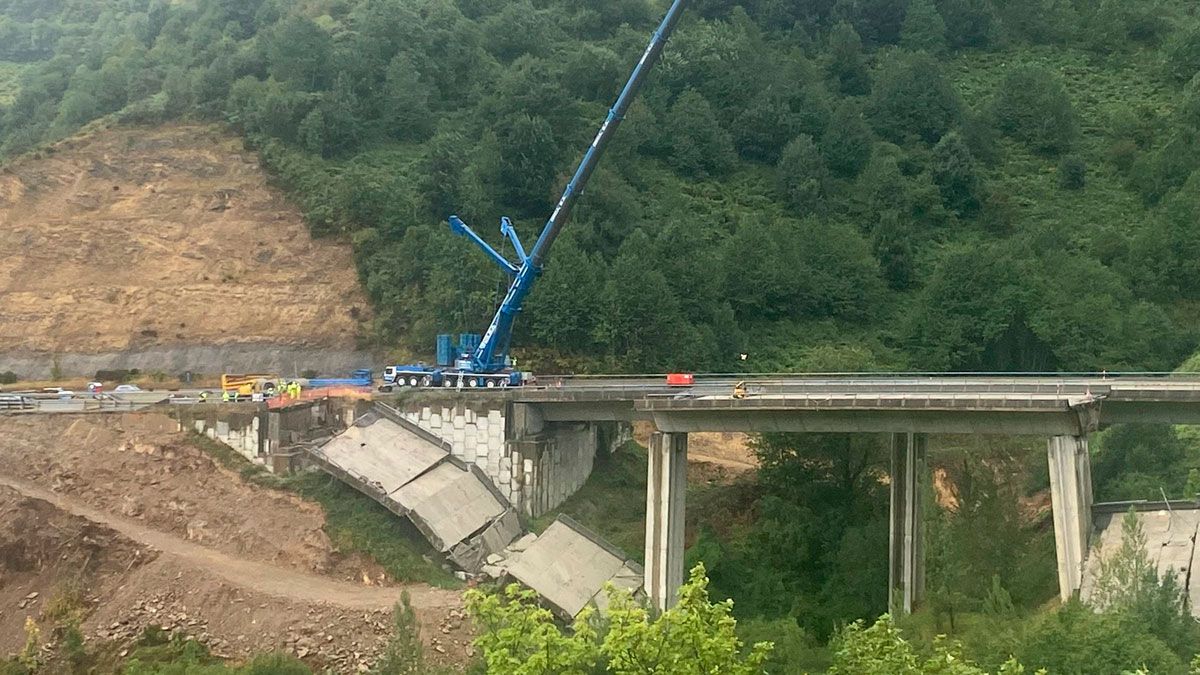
(363, 377)
(248, 385)
(475, 360)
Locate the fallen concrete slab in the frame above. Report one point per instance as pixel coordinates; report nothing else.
(569, 566)
(383, 452)
(1171, 534)
(412, 474)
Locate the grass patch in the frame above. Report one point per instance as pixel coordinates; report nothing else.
(353, 521)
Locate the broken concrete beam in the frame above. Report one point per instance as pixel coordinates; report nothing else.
(569, 565)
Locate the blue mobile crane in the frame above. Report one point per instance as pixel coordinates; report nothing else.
(483, 361)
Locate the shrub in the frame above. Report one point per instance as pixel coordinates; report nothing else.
(801, 175)
(1123, 154)
(1072, 172)
(1032, 106)
(9, 377)
(1183, 54)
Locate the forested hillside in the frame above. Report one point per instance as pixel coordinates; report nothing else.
(949, 184)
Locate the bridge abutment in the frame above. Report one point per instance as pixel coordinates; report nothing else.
(906, 559)
(1071, 501)
(666, 486)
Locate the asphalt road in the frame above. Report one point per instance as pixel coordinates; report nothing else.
(639, 386)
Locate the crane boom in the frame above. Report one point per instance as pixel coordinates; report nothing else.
(491, 355)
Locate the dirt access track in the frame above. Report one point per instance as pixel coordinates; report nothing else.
(141, 528)
(148, 240)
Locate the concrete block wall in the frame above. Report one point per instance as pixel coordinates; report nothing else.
(243, 433)
(476, 436)
(535, 466)
(260, 434)
(560, 466)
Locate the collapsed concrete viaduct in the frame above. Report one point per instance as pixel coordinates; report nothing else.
(538, 443)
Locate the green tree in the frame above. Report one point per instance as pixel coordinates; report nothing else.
(1076, 639)
(333, 128)
(404, 654)
(846, 145)
(957, 176)
(300, 53)
(761, 131)
(442, 169)
(782, 267)
(1039, 21)
(528, 161)
(969, 23)
(696, 632)
(520, 637)
(640, 319)
(912, 100)
(923, 28)
(877, 21)
(1032, 105)
(562, 308)
(801, 175)
(699, 146)
(405, 101)
(847, 65)
(1128, 585)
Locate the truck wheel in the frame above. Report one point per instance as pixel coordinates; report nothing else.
(412, 381)
(446, 382)
(473, 382)
(426, 381)
(491, 384)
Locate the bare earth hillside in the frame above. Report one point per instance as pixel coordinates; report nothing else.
(163, 248)
(137, 527)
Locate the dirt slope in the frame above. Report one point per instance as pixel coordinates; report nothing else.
(148, 531)
(140, 239)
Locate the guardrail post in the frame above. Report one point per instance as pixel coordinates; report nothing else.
(906, 559)
(665, 487)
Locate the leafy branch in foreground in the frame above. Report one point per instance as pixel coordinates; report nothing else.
(696, 636)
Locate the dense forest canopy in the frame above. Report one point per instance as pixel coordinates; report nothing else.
(949, 184)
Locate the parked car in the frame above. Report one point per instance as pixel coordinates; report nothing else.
(95, 387)
(126, 388)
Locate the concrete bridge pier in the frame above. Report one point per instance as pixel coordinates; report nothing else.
(906, 559)
(1071, 501)
(665, 487)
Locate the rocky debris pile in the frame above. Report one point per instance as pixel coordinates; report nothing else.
(496, 565)
(340, 640)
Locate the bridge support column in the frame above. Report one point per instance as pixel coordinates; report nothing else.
(1071, 500)
(665, 487)
(906, 561)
